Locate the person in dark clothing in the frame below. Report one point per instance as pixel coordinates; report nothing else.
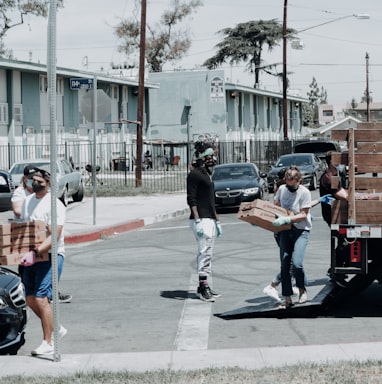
(204, 220)
(327, 190)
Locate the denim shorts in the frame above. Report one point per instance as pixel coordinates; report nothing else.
(37, 278)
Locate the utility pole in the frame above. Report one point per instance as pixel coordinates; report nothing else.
(285, 80)
(141, 96)
(367, 88)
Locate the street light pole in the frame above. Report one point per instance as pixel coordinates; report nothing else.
(141, 96)
(367, 88)
(285, 79)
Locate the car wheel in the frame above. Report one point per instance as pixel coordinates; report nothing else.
(65, 197)
(313, 184)
(80, 193)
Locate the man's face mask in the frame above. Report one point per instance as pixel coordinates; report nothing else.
(292, 188)
(29, 183)
(37, 186)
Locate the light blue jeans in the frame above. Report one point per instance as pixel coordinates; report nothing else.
(292, 251)
(205, 246)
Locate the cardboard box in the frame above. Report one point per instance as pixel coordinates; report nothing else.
(19, 237)
(5, 229)
(15, 257)
(26, 228)
(20, 240)
(263, 213)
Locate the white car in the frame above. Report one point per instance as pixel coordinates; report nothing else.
(69, 181)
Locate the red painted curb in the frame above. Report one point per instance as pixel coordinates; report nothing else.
(98, 234)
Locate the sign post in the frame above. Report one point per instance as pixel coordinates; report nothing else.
(90, 84)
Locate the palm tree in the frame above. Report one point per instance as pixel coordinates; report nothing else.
(245, 43)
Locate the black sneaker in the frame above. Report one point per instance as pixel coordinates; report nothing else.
(214, 293)
(205, 294)
(64, 298)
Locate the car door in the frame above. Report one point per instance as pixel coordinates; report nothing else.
(320, 166)
(74, 177)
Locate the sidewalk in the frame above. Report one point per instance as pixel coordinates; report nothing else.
(246, 358)
(86, 221)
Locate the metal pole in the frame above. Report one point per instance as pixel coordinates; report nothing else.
(141, 96)
(285, 80)
(94, 166)
(367, 88)
(51, 72)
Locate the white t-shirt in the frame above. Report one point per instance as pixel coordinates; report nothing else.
(295, 202)
(20, 194)
(40, 209)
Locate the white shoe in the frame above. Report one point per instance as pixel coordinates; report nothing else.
(272, 292)
(296, 291)
(43, 349)
(61, 332)
(303, 298)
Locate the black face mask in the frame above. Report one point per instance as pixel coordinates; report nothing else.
(37, 187)
(292, 188)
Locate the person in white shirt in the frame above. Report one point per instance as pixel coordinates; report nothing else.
(23, 190)
(297, 199)
(37, 277)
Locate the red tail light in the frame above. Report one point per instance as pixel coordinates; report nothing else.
(355, 252)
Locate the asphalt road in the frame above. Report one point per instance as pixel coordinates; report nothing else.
(135, 292)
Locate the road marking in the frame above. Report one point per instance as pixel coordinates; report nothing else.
(194, 323)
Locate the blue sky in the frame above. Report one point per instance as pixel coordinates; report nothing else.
(333, 53)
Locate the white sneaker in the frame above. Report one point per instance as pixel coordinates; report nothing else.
(303, 298)
(61, 332)
(296, 291)
(272, 292)
(43, 349)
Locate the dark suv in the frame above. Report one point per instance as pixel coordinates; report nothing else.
(13, 312)
(319, 147)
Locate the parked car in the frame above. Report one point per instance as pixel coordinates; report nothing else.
(69, 181)
(318, 147)
(13, 312)
(235, 183)
(6, 191)
(310, 166)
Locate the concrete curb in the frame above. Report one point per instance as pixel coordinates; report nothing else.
(98, 234)
(111, 230)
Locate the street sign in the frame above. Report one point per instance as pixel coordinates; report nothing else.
(78, 83)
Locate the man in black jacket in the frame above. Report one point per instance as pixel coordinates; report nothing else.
(204, 220)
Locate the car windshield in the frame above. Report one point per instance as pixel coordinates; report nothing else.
(287, 161)
(18, 169)
(233, 173)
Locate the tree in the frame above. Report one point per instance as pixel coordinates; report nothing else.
(12, 14)
(244, 43)
(164, 43)
(316, 96)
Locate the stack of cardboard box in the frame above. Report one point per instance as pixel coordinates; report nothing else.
(18, 238)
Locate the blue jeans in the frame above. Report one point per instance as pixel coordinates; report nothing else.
(292, 251)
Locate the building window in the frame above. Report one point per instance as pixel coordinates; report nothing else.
(18, 113)
(3, 113)
(60, 86)
(125, 94)
(327, 112)
(43, 84)
(114, 92)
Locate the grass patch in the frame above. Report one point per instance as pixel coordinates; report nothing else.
(118, 191)
(340, 373)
